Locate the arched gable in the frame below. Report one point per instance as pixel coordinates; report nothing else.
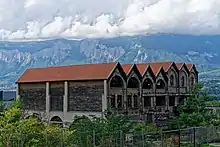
(162, 76)
(183, 75)
(193, 75)
(193, 78)
(148, 78)
(118, 71)
(173, 75)
(134, 72)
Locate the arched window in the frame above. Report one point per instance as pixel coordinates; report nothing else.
(116, 82)
(192, 81)
(148, 84)
(171, 80)
(133, 83)
(182, 81)
(56, 119)
(160, 84)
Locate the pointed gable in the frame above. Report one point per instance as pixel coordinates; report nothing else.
(162, 75)
(191, 66)
(127, 68)
(156, 68)
(142, 68)
(68, 73)
(182, 66)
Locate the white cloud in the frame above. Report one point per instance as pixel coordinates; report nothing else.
(33, 19)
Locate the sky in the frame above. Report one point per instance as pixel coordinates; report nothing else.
(35, 19)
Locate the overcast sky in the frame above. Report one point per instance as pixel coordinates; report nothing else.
(32, 19)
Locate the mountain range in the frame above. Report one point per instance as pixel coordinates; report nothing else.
(203, 51)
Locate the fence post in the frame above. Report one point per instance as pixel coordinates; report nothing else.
(121, 139)
(161, 136)
(179, 137)
(143, 138)
(93, 138)
(194, 136)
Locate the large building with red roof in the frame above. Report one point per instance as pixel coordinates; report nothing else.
(147, 91)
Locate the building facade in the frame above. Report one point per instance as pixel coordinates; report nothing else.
(146, 92)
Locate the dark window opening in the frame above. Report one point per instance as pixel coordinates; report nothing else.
(171, 101)
(181, 101)
(129, 101)
(113, 101)
(192, 81)
(160, 84)
(160, 101)
(147, 101)
(149, 118)
(135, 101)
(171, 80)
(133, 83)
(116, 82)
(148, 84)
(182, 81)
(119, 101)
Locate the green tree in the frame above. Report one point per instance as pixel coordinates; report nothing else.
(193, 113)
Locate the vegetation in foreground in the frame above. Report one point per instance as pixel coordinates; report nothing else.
(29, 132)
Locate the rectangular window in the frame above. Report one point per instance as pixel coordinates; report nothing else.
(181, 101)
(113, 101)
(135, 101)
(147, 101)
(160, 101)
(172, 101)
(119, 101)
(129, 101)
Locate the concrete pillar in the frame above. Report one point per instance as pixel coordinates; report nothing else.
(17, 92)
(125, 100)
(176, 100)
(132, 100)
(47, 97)
(153, 101)
(141, 98)
(116, 100)
(65, 98)
(104, 97)
(167, 101)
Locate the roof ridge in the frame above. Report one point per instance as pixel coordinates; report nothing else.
(57, 66)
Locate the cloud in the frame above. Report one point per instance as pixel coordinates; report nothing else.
(33, 19)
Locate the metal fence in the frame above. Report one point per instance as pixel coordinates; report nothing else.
(190, 137)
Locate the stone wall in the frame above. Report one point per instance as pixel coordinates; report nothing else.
(85, 96)
(56, 96)
(33, 96)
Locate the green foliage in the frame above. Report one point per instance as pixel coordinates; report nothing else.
(215, 103)
(30, 132)
(194, 113)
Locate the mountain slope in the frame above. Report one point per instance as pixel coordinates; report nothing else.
(15, 57)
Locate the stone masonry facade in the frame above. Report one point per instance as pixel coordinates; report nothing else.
(149, 96)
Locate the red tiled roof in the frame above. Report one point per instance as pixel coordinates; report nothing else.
(166, 65)
(155, 66)
(127, 68)
(142, 68)
(189, 66)
(179, 65)
(73, 72)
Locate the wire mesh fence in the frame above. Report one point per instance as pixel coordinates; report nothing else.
(190, 137)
